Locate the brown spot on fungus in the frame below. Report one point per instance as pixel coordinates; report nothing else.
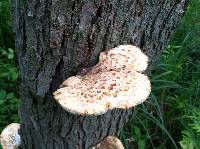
(108, 105)
(116, 79)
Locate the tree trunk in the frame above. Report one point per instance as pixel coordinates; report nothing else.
(56, 38)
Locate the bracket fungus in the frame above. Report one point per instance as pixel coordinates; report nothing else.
(116, 81)
(9, 138)
(110, 142)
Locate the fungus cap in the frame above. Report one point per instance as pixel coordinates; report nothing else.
(115, 82)
(9, 138)
(122, 56)
(109, 142)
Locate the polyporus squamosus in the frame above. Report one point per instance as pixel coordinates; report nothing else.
(110, 142)
(9, 137)
(115, 81)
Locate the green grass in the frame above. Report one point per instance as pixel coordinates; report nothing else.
(169, 119)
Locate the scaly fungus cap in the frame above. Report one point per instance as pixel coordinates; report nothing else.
(9, 137)
(114, 82)
(124, 56)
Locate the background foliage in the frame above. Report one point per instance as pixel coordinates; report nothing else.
(169, 119)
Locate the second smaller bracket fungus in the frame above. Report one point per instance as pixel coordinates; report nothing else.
(9, 138)
(115, 81)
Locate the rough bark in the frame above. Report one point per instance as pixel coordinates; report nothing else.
(56, 38)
